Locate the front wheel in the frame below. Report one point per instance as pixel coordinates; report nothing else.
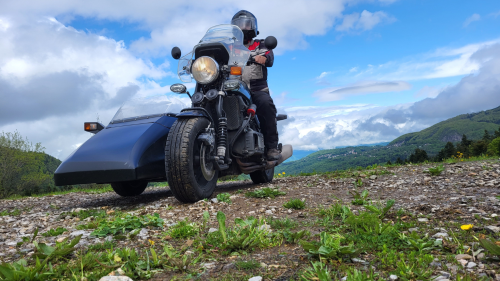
(129, 188)
(190, 172)
(262, 176)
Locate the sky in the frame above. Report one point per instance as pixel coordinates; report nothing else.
(346, 72)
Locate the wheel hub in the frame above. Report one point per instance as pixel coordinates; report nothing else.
(207, 167)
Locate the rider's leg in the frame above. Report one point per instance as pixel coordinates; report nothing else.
(266, 112)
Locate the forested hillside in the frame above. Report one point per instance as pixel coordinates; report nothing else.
(24, 167)
(432, 140)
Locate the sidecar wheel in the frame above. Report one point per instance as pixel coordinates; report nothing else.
(129, 188)
(189, 172)
(262, 176)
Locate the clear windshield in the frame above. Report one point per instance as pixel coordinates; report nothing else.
(228, 35)
(147, 106)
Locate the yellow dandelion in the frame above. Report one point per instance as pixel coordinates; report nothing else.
(151, 242)
(283, 173)
(466, 227)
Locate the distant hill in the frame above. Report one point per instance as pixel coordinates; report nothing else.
(431, 139)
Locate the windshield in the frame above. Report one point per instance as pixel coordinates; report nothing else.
(147, 106)
(228, 35)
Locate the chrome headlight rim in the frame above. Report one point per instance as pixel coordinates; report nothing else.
(217, 70)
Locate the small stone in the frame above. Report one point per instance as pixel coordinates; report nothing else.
(61, 239)
(208, 265)
(251, 213)
(269, 212)
(289, 211)
(480, 256)
(357, 260)
(263, 265)
(494, 215)
(440, 235)
(80, 232)
(445, 274)
(373, 177)
(115, 278)
(214, 200)
(463, 257)
(415, 229)
(212, 230)
(344, 278)
(427, 179)
(423, 220)
(228, 267)
(493, 229)
(471, 264)
(393, 277)
(462, 262)
(255, 278)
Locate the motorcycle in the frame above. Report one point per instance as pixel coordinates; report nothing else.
(220, 134)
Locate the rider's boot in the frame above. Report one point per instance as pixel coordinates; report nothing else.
(273, 154)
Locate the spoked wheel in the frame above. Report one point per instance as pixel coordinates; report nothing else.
(190, 173)
(262, 176)
(129, 188)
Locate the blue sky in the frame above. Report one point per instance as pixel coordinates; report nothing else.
(346, 72)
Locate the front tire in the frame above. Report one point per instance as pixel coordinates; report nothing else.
(129, 188)
(262, 176)
(184, 157)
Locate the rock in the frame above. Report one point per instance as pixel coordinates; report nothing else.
(373, 177)
(228, 266)
(423, 220)
(269, 212)
(462, 262)
(214, 200)
(440, 235)
(492, 229)
(80, 232)
(463, 257)
(471, 264)
(208, 265)
(445, 274)
(357, 260)
(427, 179)
(480, 256)
(415, 229)
(263, 265)
(115, 278)
(393, 277)
(61, 239)
(251, 213)
(212, 230)
(255, 278)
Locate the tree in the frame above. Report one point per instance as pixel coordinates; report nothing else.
(494, 147)
(449, 150)
(21, 165)
(479, 148)
(419, 156)
(399, 161)
(497, 133)
(389, 162)
(487, 137)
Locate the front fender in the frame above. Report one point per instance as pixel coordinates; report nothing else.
(194, 112)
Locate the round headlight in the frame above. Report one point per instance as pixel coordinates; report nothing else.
(205, 70)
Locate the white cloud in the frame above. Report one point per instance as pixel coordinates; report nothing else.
(364, 21)
(429, 92)
(364, 87)
(473, 18)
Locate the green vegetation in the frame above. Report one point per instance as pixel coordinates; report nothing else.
(55, 232)
(183, 229)
(265, 193)
(126, 224)
(296, 204)
(359, 198)
(436, 171)
(224, 197)
(247, 265)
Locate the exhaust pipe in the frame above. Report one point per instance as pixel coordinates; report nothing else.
(247, 168)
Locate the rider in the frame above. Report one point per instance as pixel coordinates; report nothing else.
(255, 76)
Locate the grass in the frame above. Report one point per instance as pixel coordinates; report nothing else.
(183, 229)
(265, 193)
(284, 223)
(98, 190)
(54, 232)
(296, 204)
(436, 171)
(15, 212)
(247, 265)
(121, 226)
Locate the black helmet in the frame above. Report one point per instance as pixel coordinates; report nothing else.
(247, 22)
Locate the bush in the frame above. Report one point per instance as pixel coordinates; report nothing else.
(494, 147)
(296, 204)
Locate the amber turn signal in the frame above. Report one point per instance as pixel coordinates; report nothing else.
(235, 70)
(93, 127)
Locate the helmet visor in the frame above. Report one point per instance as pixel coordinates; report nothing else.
(245, 23)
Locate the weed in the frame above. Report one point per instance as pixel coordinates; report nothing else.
(15, 212)
(490, 246)
(295, 237)
(414, 266)
(379, 210)
(356, 275)
(54, 232)
(420, 244)
(106, 245)
(436, 171)
(183, 229)
(318, 271)
(296, 204)
(329, 247)
(180, 261)
(129, 223)
(247, 265)
(359, 198)
(224, 197)
(265, 193)
(90, 225)
(285, 223)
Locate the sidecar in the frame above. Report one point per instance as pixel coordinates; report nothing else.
(127, 153)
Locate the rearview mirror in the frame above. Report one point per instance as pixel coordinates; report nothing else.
(93, 127)
(176, 53)
(178, 88)
(271, 42)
